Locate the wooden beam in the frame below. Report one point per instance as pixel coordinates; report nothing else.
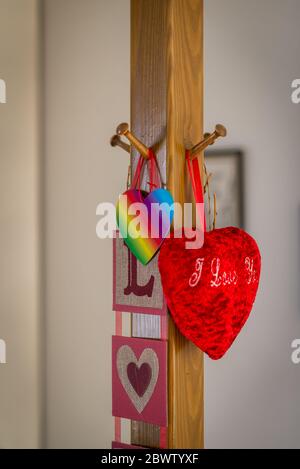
(167, 114)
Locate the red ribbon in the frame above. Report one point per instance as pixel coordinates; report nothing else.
(194, 171)
(154, 174)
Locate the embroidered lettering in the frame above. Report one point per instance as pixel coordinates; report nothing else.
(195, 278)
(225, 278)
(249, 263)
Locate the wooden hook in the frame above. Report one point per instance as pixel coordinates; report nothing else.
(115, 141)
(209, 139)
(123, 129)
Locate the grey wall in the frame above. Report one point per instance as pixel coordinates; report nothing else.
(20, 286)
(86, 96)
(252, 49)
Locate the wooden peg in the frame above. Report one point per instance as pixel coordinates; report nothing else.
(209, 139)
(123, 129)
(115, 141)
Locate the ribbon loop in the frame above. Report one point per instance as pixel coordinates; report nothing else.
(194, 172)
(153, 170)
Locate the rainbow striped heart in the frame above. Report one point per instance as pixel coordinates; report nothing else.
(144, 221)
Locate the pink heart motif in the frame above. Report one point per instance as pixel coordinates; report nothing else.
(144, 221)
(139, 377)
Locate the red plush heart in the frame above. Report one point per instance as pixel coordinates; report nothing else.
(210, 291)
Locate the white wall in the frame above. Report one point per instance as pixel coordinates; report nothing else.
(252, 395)
(20, 316)
(87, 95)
(252, 49)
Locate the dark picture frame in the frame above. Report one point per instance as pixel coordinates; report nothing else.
(226, 166)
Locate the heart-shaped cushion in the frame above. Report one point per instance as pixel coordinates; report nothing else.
(144, 221)
(210, 291)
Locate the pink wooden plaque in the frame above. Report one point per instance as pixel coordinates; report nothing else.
(139, 379)
(136, 288)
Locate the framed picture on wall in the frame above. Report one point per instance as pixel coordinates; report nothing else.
(226, 167)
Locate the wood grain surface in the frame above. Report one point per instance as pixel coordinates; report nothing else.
(167, 114)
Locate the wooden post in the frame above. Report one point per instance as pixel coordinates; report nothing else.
(167, 114)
